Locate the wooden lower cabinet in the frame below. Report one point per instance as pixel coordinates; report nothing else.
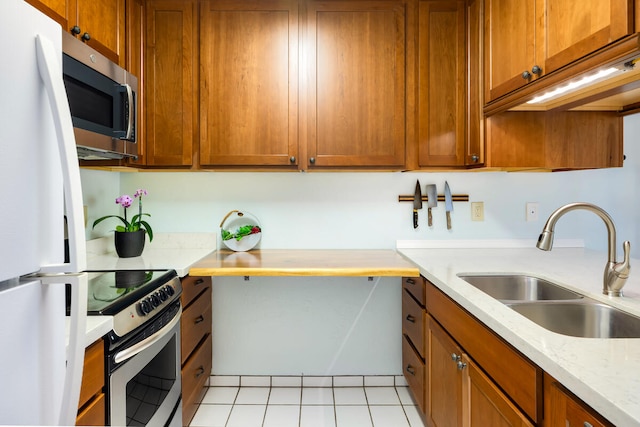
(92, 403)
(469, 376)
(562, 408)
(196, 342)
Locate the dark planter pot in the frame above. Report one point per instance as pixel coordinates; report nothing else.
(129, 244)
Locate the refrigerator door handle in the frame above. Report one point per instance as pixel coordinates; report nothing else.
(76, 345)
(51, 74)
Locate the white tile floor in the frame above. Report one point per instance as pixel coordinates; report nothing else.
(345, 401)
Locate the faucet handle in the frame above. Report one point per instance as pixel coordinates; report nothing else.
(622, 268)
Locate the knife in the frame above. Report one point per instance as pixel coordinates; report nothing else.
(417, 204)
(432, 202)
(448, 203)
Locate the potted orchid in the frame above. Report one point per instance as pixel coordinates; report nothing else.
(129, 237)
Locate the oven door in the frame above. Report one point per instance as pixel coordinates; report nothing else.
(145, 385)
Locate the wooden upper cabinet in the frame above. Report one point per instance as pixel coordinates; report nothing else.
(58, 10)
(353, 84)
(135, 13)
(99, 23)
(527, 39)
(571, 30)
(441, 83)
(170, 76)
(249, 83)
(510, 45)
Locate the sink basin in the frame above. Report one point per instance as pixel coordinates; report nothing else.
(518, 287)
(586, 319)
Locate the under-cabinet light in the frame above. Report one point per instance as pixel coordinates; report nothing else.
(572, 86)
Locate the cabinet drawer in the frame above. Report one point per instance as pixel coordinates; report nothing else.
(192, 286)
(516, 375)
(413, 321)
(194, 375)
(94, 414)
(413, 368)
(195, 323)
(92, 372)
(415, 286)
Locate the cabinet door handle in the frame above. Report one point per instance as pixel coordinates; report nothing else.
(199, 371)
(411, 281)
(75, 30)
(86, 37)
(526, 75)
(411, 370)
(536, 70)
(461, 365)
(198, 319)
(587, 424)
(312, 160)
(292, 159)
(455, 357)
(410, 318)
(198, 282)
(475, 158)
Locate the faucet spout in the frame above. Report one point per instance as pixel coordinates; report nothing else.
(615, 273)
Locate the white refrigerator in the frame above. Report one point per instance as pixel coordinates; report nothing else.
(41, 350)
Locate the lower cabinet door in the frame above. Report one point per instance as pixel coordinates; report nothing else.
(194, 375)
(486, 404)
(444, 389)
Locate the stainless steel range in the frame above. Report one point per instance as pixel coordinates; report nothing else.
(143, 349)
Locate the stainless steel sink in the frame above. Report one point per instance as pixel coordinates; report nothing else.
(556, 308)
(518, 287)
(586, 319)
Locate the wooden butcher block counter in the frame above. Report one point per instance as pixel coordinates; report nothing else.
(307, 262)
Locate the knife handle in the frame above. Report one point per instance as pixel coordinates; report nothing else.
(430, 220)
(415, 218)
(448, 220)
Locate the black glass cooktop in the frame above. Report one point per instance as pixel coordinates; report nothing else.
(112, 291)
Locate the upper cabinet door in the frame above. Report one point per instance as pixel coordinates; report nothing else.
(510, 45)
(99, 23)
(572, 29)
(249, 83)
(441, 83)
(528, 39)
(353, 74)
(170, 75)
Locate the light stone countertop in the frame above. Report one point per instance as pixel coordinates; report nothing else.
(176, 251)
(605, 373)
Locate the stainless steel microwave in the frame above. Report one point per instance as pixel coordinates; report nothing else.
(102, 99)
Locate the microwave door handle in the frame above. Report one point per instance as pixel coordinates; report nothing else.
(131, 112)
(51, 74)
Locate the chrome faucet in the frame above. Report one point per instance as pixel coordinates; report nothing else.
(615, 273)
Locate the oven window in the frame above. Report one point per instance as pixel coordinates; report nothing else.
(148, 389)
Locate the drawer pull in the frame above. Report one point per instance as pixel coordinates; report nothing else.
(411, 281)
(198, 319)
(410, 318)
(411, 370)
(199, 371)
(587, 424)
(199, 281)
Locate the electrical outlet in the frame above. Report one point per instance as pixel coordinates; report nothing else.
(477, 211)
(532, 212)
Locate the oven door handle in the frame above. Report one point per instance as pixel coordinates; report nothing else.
(147, 342)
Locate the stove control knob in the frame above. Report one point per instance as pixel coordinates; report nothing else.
(162, 293)
(155, 301)
(145, 307)
(170, 290)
